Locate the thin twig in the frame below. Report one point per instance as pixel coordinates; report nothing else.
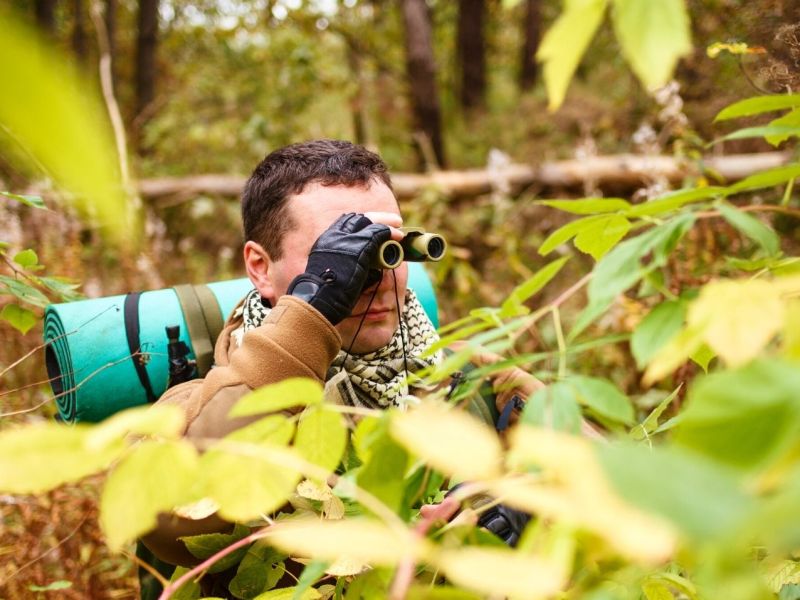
(787, 194)
(45, 553)
(147, 567)
(562, 344)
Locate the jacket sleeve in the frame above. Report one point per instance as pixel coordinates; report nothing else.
(295, 340)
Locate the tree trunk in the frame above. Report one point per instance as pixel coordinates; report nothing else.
(532, 27)
(147, 41)
(46, 15)
(358, 99)
(472, 52)
(421, 72)
(79, 31)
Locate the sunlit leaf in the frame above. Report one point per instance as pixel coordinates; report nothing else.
(292, 392)
(703, 356)
(321, 437)
(653, 36)
(513, 574)
(565, 43)
(162, 420)
(153, 478)
(26, 258)
(60, 120)
(602, 235)
(289, 593)
(359, 539)
(449, 440)
(758, 105)
(565, 233)
(674, 200)
(763, 131)
(790, 119)
(588, 206)
(18, 317)
(765, 179)
(51, 587)
(37, 458)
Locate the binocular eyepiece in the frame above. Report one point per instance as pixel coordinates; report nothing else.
(416, 246)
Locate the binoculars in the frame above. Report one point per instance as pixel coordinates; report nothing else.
(416, 246)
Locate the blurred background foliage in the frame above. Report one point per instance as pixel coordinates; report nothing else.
(209, 87)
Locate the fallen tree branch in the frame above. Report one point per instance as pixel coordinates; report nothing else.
(622, 170)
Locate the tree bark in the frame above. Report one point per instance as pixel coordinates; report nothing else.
(532, 27)
(46, 15)
(79, 31)
(472, 52)
(147, 43)
(421, 72)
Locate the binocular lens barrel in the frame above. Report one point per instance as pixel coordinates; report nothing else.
(415, 247)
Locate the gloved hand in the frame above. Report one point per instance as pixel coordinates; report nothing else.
(338, 267)
(506, 523)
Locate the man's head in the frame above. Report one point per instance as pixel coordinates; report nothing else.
(293, 195)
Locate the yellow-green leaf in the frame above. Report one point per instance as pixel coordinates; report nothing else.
(511, 306)
(653, 36)
(296, 391)
(790, 119)
(449, 440)
(59, 119)
(162, 420)
(20, 318)
(153, 478)
(26, 258)
(358, 539)
(321, 437)
(565, 43)
(588, 206)
(566, 233)
(38, 458)
(758, 105)
(289, 594)
(512, 573)
(602, 235)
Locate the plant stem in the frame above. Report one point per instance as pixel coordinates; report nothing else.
(562, 344)
(787, 195)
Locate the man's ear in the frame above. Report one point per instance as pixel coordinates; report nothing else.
(257, 263)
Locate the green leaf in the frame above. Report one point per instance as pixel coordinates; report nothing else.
(702, 356)
(762, 131)
(23, 291)
(790, 119)
(746, 418)
(653, 36)
(602, 235)
(26, 258)
(555, 407)
(313, 571)
(32, 201)
(656, 329)
(207, 545)
(155, 477)
(565, 233)
(65, 288)
(565, 43)
(189, 590)
(757, 106)
(51, 587)
(382, 473)
(766, 179)
(588, 206)
(321, 437)
(650, 424)
(602, 398)
(289, 594)
(673, 201)
(259, 571)
(289, 393)
(656, 590)
(789, 591)
(37, 458)
(162, 420)
(513, 304)
(19, 318)
(705, 500)
(61, 121)
(752, 228)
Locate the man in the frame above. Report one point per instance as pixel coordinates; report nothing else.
(315, 215)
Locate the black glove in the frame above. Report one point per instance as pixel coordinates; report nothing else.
(506, 523)
(338, 267)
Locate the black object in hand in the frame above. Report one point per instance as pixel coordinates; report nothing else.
(338, 267)
(506, 523)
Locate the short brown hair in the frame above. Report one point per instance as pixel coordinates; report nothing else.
(288, 171)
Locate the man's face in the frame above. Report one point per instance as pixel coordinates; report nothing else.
(312, 212)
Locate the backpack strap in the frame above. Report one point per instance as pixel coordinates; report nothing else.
(130, 313)
(203, 322)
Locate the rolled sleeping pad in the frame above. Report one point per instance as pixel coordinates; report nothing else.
(104, 355)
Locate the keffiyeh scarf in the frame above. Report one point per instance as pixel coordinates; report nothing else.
(374, 380)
